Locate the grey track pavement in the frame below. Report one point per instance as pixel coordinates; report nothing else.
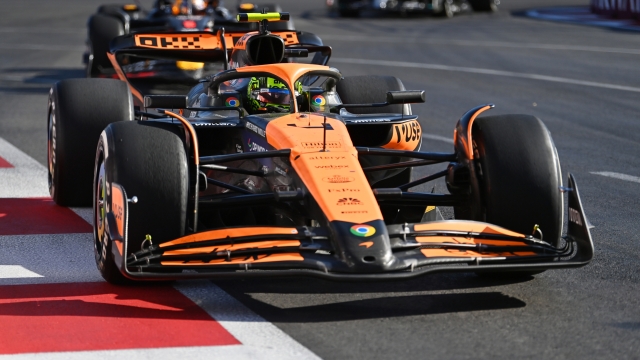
(579, 80)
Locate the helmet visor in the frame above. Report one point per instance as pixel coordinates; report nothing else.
(273, 96)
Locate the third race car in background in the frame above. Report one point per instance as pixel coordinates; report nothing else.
(448, 8)
(115, 20)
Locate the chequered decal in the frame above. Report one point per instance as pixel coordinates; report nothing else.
(174, 41)
(290, 38)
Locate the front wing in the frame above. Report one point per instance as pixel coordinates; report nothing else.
(418, 249)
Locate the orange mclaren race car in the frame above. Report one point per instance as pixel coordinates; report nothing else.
(289, 169)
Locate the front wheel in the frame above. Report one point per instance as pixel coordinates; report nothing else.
(149, 161)
(519, 176)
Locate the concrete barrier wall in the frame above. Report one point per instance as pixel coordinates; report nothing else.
(625, 9)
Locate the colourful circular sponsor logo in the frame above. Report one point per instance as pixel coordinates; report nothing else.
(233, 102)
(319, 100)
(363, 230)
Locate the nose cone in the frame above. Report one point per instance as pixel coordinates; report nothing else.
(364, 247)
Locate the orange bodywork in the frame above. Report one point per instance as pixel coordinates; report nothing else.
(469, 226)
(184, 41)
(431, 253)
(468, 146)
(239, 260)
(334, 177)
(117, 208)
(235, 247)
(406, 136)
(192, 132)
(203, 41)
(229, 233)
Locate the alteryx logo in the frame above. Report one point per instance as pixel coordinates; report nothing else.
(254, 147)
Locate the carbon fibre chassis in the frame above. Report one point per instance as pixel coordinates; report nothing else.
(405, 241)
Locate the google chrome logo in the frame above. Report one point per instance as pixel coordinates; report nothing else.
(232, 102)
(319, 100)
(363, 230)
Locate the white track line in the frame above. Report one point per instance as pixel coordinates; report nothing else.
(263, 339)
(40, 47)
(27, 177)
(260, 339)
(618, 176)
(41, 30)
(484, 72)
(239, 352)
(484, 44)
(16, 271)
(64, 258)
(437, 138)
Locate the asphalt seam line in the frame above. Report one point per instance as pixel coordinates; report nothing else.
(484, 44)
(484, 72)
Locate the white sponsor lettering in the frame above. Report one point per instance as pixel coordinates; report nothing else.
(256, 129)
(574, 216)
(369, 120)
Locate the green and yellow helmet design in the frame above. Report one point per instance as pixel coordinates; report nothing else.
(270, 95)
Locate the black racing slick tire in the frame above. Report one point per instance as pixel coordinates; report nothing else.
(79, 109)
(102, 29)
(519, 177)
(371, 89)
(149, 161)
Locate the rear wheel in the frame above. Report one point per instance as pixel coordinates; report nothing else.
(102, 29)
(149, 161)
(79, 109)
(371, 89)
(519, 176)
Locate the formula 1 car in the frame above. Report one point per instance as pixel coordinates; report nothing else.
(289, 169)
(448, 8)
(112, 21)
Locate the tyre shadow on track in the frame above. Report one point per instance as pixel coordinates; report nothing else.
(35, 80)
(396, 304)
(435, 282)
(100, 300)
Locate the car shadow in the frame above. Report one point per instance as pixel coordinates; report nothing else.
(98, 300)
(382, 307)
(35, 80)
(392, 303)
(435, 282)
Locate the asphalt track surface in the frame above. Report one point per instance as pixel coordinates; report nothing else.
(582, 81)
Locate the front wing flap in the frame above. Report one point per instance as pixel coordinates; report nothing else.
(307, 251)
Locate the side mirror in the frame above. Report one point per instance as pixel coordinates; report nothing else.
(405, 97)
(166, 101)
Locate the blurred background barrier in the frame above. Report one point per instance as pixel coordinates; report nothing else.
(623, 9)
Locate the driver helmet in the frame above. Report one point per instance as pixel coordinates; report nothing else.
(190, 7)
(266, 94)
